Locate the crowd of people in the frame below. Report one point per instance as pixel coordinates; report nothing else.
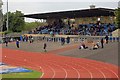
(98, 29)
(49, 29)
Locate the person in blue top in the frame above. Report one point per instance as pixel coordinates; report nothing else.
(17, 43)
(21, 38)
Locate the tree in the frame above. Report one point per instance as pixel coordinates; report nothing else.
(32, 25)
(117, 14)
(16, 22)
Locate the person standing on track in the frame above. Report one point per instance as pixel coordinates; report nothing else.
(17, 43)
(44, 47)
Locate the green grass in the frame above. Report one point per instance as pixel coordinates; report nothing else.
(34, 75)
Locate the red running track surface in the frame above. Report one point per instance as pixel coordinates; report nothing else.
(56, 66)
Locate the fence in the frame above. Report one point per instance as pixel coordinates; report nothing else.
(89, 39)
(73, 38)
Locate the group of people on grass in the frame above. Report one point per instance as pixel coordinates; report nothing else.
(96, 45)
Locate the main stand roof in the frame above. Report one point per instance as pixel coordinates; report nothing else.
(74, 14)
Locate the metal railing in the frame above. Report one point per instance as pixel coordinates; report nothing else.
(89, 39)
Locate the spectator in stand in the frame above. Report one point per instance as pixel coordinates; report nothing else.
(98, 29)
(52, 33)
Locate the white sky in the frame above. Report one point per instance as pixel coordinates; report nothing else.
(42, 6)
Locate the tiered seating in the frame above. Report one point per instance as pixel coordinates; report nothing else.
(83, 29)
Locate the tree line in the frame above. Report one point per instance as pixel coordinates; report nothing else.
(16, 22)
(117, 14)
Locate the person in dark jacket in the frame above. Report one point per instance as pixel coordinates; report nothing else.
(44, 47)
(6, 42)
(102, 42)
(106, 38)
(68, 40)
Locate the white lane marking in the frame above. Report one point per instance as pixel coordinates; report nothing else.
(104, 68)
(62, 68)
(42, 75)
(53, 72)
(87, 71)
(42, 71)
(83, 68)
(66, 71)
(108, 69)
(75, 70)
(113, 72)
(98, 70)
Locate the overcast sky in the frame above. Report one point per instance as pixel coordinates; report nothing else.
(42, 6)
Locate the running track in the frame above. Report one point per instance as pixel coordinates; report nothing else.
(56, 66)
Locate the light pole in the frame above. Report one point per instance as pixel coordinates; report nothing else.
(7, 23)
(119, 4)
(1, 16)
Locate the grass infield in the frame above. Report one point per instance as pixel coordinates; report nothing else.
(34, 75)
